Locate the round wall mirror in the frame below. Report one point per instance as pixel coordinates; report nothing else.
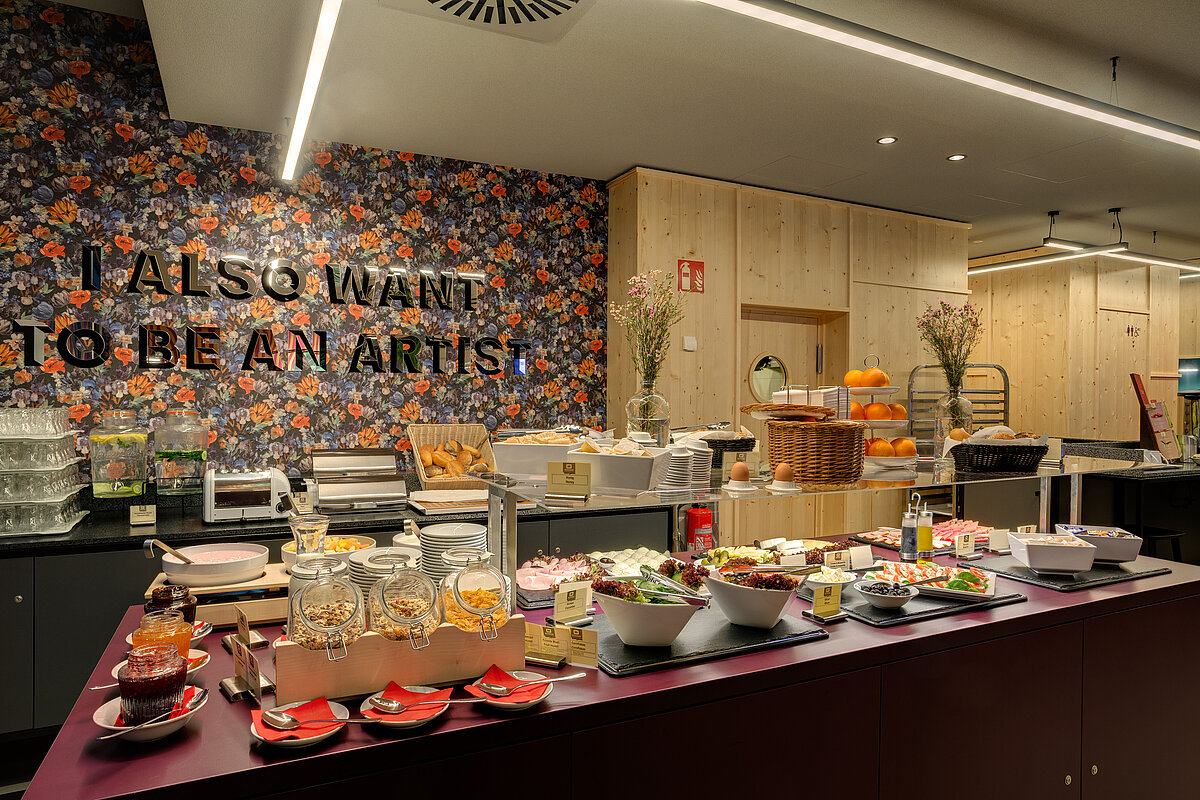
(767, 376)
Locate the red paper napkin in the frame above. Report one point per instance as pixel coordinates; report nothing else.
(192, 662)
(176, 710)
(399, 693)
(313, 709)
(499, 676)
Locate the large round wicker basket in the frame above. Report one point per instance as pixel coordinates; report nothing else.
(825, 456)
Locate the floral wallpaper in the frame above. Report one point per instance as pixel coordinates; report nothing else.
(88, 155)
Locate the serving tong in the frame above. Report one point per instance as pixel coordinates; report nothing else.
(672, 589)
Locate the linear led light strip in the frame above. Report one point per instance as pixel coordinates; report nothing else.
(868, 40)
(1083, 252)
(312, 80)
(1143, 258)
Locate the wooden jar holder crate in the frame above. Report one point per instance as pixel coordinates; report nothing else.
(453, 655)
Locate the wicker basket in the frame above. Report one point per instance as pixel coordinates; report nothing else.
(721, 446)
(998, 457)
(474, 435)
(825, 456)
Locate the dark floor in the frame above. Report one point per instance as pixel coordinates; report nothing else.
(20, 756)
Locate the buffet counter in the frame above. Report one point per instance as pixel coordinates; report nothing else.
(1043, 698)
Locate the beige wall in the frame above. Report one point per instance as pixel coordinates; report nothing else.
(863, 274)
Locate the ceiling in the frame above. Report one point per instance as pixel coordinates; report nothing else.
(681, 86)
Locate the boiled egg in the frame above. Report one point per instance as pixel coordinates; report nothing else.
(783, 473)
(740, 472)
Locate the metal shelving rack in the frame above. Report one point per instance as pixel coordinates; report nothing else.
(990, 405)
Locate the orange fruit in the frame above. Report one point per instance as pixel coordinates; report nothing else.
(878, 411)
(898, 411)
(904, 447)
(881, 447)
(875, 377)
(856, 410)
(854, 378)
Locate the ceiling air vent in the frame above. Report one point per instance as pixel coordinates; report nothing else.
(536, 20)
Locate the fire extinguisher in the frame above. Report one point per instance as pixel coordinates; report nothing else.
(699, 528)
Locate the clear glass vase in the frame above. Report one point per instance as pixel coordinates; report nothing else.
(953, 411)
(649, 412)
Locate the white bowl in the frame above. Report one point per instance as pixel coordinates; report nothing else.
(365, 543)
(1051, 559)
(106, 715)
(394, 720)
(887, 602)
(815, 584)
(521, 675)
(646, 624)
(1110, 549)
(245, 567)
(743, 605)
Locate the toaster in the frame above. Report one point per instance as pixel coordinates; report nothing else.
(244, 494)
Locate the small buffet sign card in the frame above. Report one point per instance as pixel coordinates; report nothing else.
(572, 601)
(568, 481)
(563, 644)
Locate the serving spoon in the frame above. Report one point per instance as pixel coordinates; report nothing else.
(389, 706)
(497, 690)
(281, 720)
(190, 705)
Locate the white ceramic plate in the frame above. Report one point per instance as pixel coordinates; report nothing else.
(499, 702)
(884, 424)
(391, 721)
(191, 654)
(339, 711)
(199, 630)
(869, 390)
(106, 715)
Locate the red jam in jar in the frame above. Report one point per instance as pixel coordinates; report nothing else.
(173, 597)
(151, 682)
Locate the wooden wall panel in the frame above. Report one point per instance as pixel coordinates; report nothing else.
(622, 264)
(1123, 285)
(1082, 365)
(883, 321)
(794, 251)
(1123, 346)
(902, 250)
(1189, 317)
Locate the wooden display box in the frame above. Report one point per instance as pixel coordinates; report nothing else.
(260, 611)
(453, 655)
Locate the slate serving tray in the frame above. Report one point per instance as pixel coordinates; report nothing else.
(707, 635)
(921, 607)
(941, 551)
(1099, 575)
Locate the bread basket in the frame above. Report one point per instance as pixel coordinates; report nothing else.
(468, 434)
(825, 456)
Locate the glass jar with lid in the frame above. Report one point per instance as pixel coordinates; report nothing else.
(305, 572)
(475, 594)
(118, 450)
(150, 682)
(173, 597)
(164, 627)
(180, 451)
(329, 614)
(404, 605)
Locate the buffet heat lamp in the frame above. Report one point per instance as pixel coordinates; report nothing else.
(358, 479)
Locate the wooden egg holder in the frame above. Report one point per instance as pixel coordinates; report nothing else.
(453, 656)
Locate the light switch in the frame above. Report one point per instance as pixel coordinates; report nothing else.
(689, 344)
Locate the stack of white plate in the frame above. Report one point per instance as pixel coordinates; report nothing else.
(437, 539)
(679, 469)
(702, 459)
(366, 567)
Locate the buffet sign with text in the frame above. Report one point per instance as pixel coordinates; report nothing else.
(198, 347)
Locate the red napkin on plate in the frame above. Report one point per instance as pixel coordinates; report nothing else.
(176, 710)
(313, 709)
(399, 693)
(192, 662)
(499, 676)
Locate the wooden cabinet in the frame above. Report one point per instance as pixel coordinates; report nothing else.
(1015, 700)
(1141, 702)
(740, 747)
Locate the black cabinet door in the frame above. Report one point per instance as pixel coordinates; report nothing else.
(80, 600)
(1012, 704)
(1141, 702)
(16, 665)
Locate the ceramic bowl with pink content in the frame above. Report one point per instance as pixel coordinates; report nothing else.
(216, 564)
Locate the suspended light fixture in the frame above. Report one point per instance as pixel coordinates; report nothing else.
(1033, 261)
(1141, 258)
(312, 80)
(869, 40)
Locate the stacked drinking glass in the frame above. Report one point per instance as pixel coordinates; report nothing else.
(39, 472)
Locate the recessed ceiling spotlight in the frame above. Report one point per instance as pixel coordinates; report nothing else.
(956, 157)
(887, 140)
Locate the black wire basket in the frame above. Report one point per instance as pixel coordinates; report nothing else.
(722, 446)
(1018, 458)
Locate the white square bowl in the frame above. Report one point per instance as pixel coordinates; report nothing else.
(528, 460)
(1109, 549)
(623, 472)
(1051, 559)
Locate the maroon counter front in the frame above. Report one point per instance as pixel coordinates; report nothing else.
(1078, 695)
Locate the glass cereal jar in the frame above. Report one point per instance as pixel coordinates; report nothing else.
(475, 594)
(327, 614)
(404, 606)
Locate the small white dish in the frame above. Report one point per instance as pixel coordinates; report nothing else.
(192, 654)
(783, 487)
(500, 702)
(106, 715)
(393, 721)
(339, 711)
(740, 486)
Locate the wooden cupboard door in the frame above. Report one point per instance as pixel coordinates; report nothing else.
(1123, 346)
(758, 745)
(1011, 707)
(790, 338)
(1141, 702)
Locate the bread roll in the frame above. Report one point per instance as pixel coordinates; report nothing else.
(1002, 435)
(478, 467)
(443, 459)
(434, 471)
(454, 468)
(468, 449)
(464, 458)
(452, 447)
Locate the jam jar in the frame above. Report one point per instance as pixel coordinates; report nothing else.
(118, 450)
(404, 605)
(475, 594)
(173, 597)
(150, 682)
(165, 627)
(329, 614)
